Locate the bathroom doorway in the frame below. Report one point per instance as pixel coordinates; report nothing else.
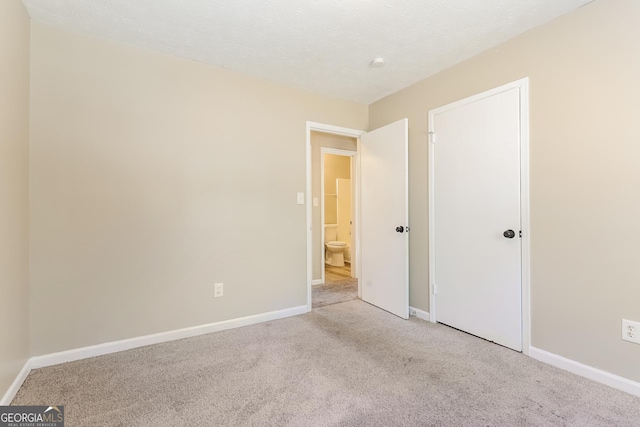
(334, 214)
(337, 207)
(381, 173)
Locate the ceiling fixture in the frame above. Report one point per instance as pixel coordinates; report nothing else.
(377, 63)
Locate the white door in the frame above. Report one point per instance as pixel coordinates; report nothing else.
(385, 215)
(476, 217)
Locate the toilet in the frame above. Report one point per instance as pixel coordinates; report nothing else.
(334, 249)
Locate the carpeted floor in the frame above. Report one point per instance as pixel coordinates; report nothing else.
(347, 364)
(334, 292)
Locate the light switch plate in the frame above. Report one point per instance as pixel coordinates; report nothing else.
(301, 198)
(315, 201)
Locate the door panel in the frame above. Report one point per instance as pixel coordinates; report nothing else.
(384, 202)
(476, 199)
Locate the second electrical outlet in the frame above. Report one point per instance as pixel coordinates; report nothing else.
(217, 290)
(631, 331)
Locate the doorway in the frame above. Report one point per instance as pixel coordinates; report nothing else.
(315, 238)
(337, 205)
(333, 205)
(381, 229)
(479, 215)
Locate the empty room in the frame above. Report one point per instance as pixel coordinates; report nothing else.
(355, 213)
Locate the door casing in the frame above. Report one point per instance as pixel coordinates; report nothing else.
(523, 86)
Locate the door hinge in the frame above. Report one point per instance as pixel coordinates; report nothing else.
(432, 137)
(435, 289)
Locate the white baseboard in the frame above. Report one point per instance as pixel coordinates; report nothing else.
(586, 371)
(127, 344)
(420, 314)
(316, 282)
(577, 368)
(17, 383)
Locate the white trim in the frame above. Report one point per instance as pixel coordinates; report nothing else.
(317, 282)
(577, 368)
(358, 216)
(16, 384)
(432, 224)
(337, 151)
(354, 253)
(309, 215)
(320, 244)
(335, 130)
(525, 223)
(586, 371)
(127, 344)
(523, 86)
(420, 314)
(406, 215)
(142, 341)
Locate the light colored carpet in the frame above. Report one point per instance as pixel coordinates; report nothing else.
(347, 364)
(334, 293)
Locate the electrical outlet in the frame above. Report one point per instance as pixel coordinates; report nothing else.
(631, 331)
(217, 290)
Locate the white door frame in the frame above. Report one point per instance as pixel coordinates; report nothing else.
(354, 191)
(335, 130)
(523, 86)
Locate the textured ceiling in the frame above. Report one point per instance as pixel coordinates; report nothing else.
(324, 46)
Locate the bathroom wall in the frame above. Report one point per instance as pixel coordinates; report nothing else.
(343, 216)
(319, 140)
(335, 167)
(14, 191)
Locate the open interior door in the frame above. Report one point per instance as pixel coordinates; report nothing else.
(385, 218)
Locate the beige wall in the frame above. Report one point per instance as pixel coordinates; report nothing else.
(319, 140)
(14, 190)
(154, 177)
(585, 174)
(335, 167)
